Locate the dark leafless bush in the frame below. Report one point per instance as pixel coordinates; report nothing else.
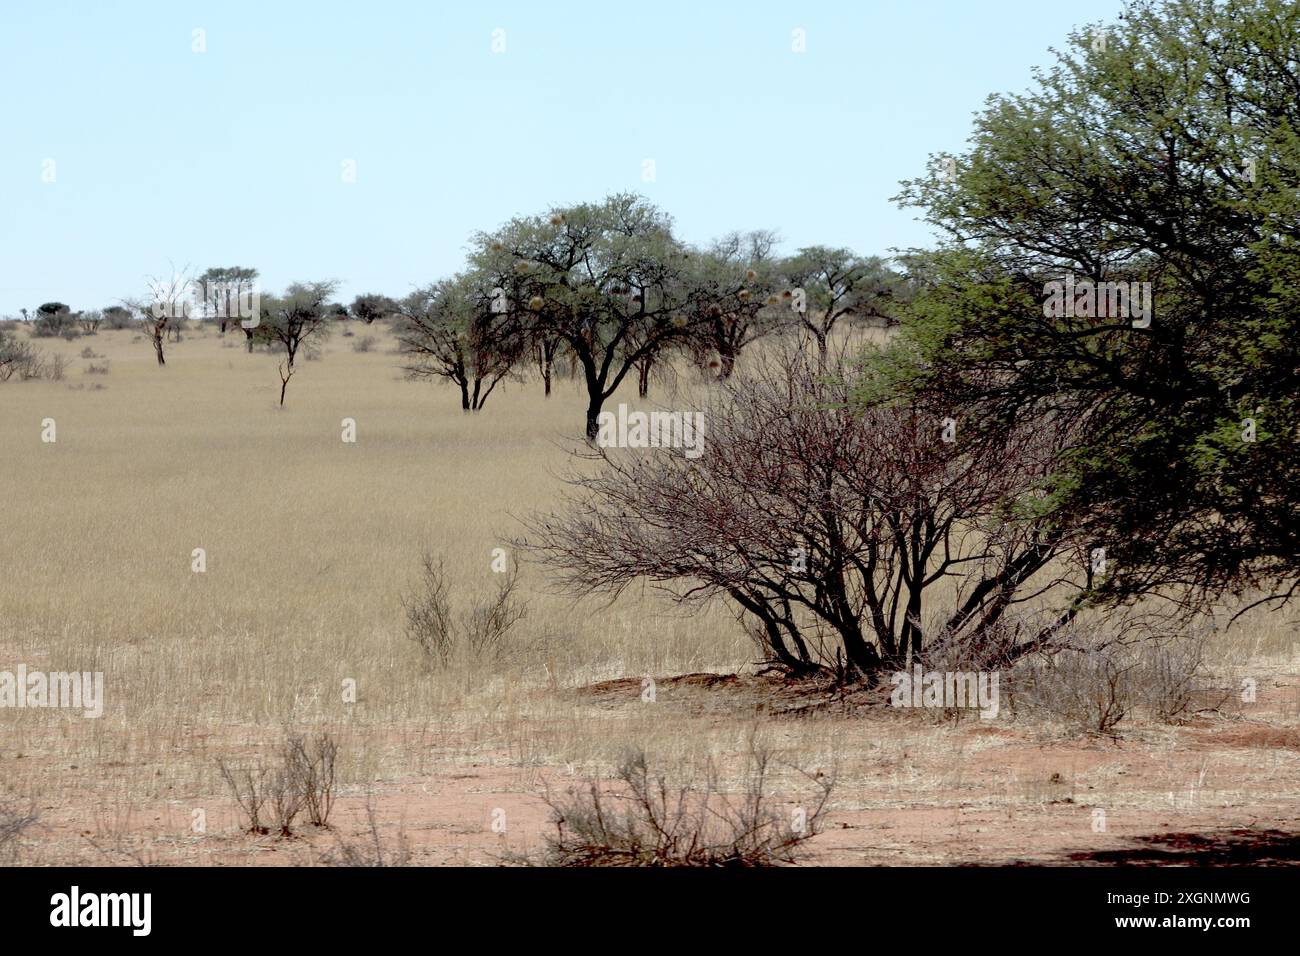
(850, 537)
(250, 787)
(655, 824)
(479, 634)
(286, 797)
(428, 613)
(310, 764)
(303, 781)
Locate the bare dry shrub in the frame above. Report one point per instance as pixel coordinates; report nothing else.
(478, 635)
(311, 767)
(1102, 675)
(250, 787)
(56, 368)
(370, 851)
(17, 357)
(1172, 678)
(487, 625)
(286, 798)
(658, 825)
(304, 781)
(1088, 680)
(364, 344)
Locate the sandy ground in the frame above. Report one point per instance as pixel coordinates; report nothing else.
(1222, 789)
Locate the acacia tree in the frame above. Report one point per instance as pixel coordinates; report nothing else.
(226, 294)
(737, 295)
(370, 306)
(546, 347)
(293, 325)
(830, 528)
(1164, 153)
(165, 306)
(835, 284)
(607, 279)
(451, 330)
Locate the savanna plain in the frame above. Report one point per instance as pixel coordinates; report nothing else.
(297, 628)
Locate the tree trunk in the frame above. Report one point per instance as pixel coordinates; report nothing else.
(726, 362)
(158, 347)
(593, 416)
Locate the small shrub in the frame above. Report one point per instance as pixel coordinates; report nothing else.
(1090, 688)
(1171, 677)
(98, 369)
(303, 781)
(250, 788)
(56, 368)
(311, 766)
(480, 633)
(88, 353)
(658, 825)
(286, 797)
(18, 357)
(364, 344)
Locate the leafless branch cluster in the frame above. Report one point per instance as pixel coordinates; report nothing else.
(829, 527)
(479, 633)
(303, 779)
(656, 824)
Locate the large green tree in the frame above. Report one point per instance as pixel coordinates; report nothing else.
(607, 279)
(1163, 153)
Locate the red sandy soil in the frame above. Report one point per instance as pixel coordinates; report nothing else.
(1223, 789)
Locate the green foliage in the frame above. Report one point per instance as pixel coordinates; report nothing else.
(1164, 150)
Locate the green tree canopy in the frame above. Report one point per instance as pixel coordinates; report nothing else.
(1164, 150)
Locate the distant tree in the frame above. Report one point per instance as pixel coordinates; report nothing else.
(90, 321)
(835, 284)
(371, 306)
(53, 319)
(450, 330)
(117, 317)
(737, 286)
(165, 305)
(607, 279)
(293, 325)
(546, 348)
(226, 295)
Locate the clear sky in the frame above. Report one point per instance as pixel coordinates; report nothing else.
(235, 156)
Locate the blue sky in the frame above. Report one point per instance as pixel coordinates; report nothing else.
(235, 156)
